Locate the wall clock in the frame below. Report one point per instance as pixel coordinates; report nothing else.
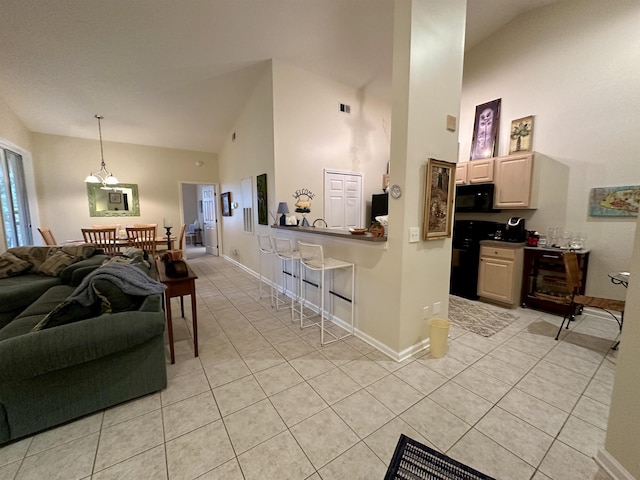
(396, 191)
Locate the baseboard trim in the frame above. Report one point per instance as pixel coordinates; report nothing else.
(397, 356)
(610, 465)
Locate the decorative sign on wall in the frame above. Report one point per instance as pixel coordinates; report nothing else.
(263, 210)
(303, 203)
(614, 201)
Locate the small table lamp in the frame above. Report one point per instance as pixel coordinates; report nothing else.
(283, 209)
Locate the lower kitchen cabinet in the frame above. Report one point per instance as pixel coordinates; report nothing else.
(544, 285)
(500, 271)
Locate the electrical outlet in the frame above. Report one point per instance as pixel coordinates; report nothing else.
(414, 234)
(425, 313)
(436, 308)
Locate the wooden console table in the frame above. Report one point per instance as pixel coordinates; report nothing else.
(178, 287)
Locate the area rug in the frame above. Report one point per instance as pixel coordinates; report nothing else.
(478, 317)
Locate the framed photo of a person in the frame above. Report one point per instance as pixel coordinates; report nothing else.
(438, 199)
(226, 204)
(485, 130)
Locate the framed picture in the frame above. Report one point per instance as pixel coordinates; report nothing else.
(115, 197)
(261, 187)
(614, 201)
(438, 199)
(226, 204)
(521, 135)
(485, 130)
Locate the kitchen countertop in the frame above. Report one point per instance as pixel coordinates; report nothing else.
(332, 233)
(557, 249)
(503, 244)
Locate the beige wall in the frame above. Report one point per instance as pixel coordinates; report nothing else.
(15, 135)
(62, 163)
(623, 430)
(311, 135)
(251, 154)
(569, 65)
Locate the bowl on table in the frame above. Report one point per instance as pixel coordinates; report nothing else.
(357, 231)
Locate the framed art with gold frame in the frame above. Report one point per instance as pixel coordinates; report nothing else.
(438, 199)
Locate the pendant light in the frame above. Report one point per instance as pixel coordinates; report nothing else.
(103, 176)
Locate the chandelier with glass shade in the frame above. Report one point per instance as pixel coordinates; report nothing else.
(103, 176)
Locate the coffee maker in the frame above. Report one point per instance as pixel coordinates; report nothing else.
(515, 230)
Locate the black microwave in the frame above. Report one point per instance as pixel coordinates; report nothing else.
(475, 198)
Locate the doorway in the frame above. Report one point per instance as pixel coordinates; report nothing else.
(199, 213)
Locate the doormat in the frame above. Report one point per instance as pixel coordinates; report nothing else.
(478, 317)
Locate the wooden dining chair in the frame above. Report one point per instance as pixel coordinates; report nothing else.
(181, 237)
(143, 238)
(47, 236)
(575, 299)
(104, 238)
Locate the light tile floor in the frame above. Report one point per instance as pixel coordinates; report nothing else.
(265, 401)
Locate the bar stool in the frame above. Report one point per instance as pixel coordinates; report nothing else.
(265, 248)
(285, 252)
(312, 259)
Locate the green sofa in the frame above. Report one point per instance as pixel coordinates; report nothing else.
(49, 376)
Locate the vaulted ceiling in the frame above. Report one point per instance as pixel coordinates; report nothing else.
(176, 74)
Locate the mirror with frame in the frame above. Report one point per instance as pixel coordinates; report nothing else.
(118, 201)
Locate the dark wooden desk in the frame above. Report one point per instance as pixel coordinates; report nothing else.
(178, 287)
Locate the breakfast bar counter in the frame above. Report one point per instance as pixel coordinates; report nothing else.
(344, 234)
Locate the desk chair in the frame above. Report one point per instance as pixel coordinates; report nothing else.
(285, 253)
(47, 236)
(104, 238)
(144, 238)
(573, 276)
(312, 259)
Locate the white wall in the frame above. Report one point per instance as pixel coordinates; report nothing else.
(311, 134)
(62, 163)
(571, 64)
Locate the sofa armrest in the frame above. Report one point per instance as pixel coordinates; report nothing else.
(37, 353)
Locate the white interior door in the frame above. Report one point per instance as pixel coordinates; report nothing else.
(209, 219)
(343, 202)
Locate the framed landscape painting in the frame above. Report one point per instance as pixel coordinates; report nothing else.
(485, 130)
(438, 199)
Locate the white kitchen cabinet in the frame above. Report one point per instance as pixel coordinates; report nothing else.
(500, 272)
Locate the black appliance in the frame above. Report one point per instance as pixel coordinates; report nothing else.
(514, 230)
(465, 255)
(475, 198)
(379, 205)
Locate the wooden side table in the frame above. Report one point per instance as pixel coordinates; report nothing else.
(178, 287)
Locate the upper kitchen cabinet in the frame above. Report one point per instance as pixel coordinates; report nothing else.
(513, 181)
(475, 171)
(530, 181)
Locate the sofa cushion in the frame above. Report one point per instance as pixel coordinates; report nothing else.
(10, 265)
(67, 312)
(35, 255)
(74, 273)
(113, 299)
(17, 293)
(57, 262)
